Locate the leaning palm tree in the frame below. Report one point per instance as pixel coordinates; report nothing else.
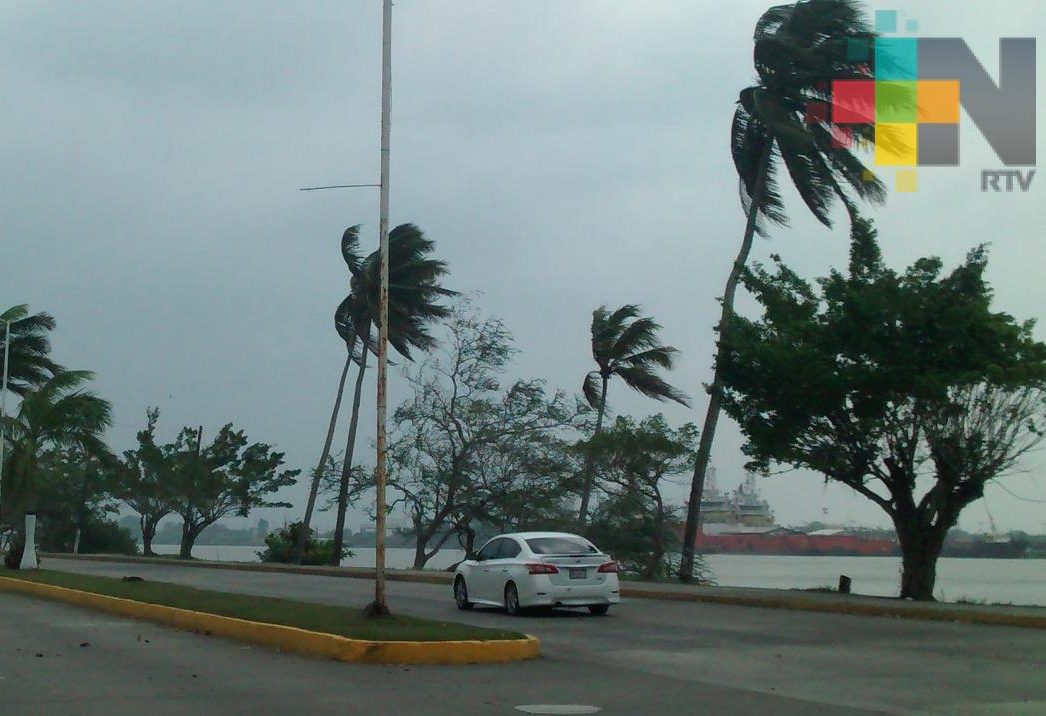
(27, 358)
(414, 293)
(800, 49)
(57, 413)
(625, 345)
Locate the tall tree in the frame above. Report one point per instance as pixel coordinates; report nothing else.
(907, 388)
(626, 345)
(634, 463)
(448, 433)
(226, 477)
(799, 49)
(59, 412)
(415, 290)
(144, 480)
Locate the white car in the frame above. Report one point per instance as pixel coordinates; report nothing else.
(538, 569)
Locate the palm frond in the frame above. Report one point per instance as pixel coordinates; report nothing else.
(649, 384)
(592, 389)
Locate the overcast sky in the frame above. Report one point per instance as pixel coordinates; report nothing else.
(562, 154)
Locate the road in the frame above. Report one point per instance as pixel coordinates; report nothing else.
(647, 657)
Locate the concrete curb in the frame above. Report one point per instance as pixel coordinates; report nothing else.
(856, 608)
(774, 599)
(285, 638)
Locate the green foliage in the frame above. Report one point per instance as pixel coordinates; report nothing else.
(466, 450)
(888, 383)
(29, 362)
(633, 462)
(58, 413)
(799, 49)
(144, 479)
(627, 345)
(279, 547)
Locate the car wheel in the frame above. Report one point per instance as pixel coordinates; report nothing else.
(599, 610)
(461, 594)
(512, 600)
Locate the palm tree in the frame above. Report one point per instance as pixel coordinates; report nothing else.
(28, 362)
(799, 49)
(57, 413)
(414, 292)
(625, 345)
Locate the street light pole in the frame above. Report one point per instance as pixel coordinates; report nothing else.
(3, 402)
(379, 608)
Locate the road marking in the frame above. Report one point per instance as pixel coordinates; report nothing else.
(558, 709)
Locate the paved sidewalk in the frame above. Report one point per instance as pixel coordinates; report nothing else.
(1034, 617)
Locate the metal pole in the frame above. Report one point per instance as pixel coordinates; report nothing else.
(3, 411)
(383, 310)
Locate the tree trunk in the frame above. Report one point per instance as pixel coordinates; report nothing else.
(919, 552)
(587, 474)
(421, 540)
(704, 450)
(346, 466)
(148, 533)
(299, 546)
(189, 535)
(653, 567)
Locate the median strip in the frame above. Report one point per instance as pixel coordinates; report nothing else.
(319, 630)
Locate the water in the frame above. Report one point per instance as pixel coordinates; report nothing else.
(1017, 581)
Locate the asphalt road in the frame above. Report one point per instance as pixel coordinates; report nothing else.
(646, 657)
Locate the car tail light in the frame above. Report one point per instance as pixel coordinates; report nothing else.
(542, 568)
(609, 567)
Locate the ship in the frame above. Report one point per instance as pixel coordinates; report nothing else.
(742, 522)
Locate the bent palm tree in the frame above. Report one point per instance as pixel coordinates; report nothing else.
(57, 413)
(799, 49)
(414, 292)
(627, 346)
(28, 362)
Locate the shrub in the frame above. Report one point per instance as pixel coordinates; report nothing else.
(279, 547)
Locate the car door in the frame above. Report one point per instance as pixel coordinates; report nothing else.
(481, 584)
(502, 568)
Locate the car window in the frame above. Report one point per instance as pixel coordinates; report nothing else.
(490, 550)
(509, 549)
(560, 545)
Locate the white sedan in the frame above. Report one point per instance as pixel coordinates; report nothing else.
(538, 569)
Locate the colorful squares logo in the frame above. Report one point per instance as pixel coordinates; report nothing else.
(896, 102)
(853, 102)
(938, 101)
(896, 144)
(896, 58)
(886, 21)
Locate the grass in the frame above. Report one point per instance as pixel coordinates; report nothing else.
(329, 619)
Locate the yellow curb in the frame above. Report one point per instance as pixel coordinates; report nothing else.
(943, 614)
(285, 638)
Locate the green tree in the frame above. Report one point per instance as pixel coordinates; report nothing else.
(447, 436)
(281, 544)
(907, 388)
(800, 48)
(626, 345)
(75, 504)
(226, 477)
(633, 463)
(415, 290)
(144, 480)
(57, 413)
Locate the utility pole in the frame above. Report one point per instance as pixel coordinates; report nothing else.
(3, 397)
(378, 607)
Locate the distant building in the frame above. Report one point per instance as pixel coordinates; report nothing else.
(263, 530)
